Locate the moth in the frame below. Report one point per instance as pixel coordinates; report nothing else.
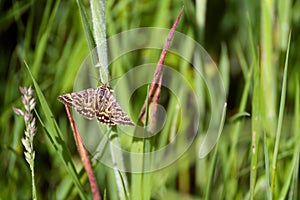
(97, 102)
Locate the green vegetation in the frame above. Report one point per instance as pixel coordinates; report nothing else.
(254, 44)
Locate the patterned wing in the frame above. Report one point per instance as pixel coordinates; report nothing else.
(97, 102)
(84, 102)
(109, 111)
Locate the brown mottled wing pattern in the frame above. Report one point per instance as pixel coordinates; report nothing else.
(109, 111)
(83, 102)
(97, 102)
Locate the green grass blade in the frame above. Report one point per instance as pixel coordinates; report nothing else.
(98, 9)
(284, 21)
(293, 194)
(225, 67)
(237, 116)
(256, 130)
(140, 190)
(200, 12)
(43, 41)
(256, 115)
(267, 169)
(214, 158)
(146, 177)
(86, 26)
(288, 178)
(229, 174)
(280, 117)
(118, 162)
(268, 68)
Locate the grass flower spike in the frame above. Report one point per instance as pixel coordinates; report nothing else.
(30, 130)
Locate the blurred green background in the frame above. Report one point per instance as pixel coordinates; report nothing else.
(248, 40)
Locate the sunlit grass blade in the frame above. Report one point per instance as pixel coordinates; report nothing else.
(284, 22)
(98, 10)
(200, 11)
(268, 68)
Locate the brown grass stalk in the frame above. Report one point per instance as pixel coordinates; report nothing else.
(155, 88)
(84, 156)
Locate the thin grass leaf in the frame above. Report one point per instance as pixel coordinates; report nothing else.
(56, 138)
(139, 189)
(45, 19)
(291, 167)
(225, 67)
(293, 194)
(214, 159)
(28, 35)
(146, 177)
(288, 178)
(43, 39)
(230, 170)
(166, 133)
(237, 116)
(267, 169)
(280, 117)
(294, 186)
